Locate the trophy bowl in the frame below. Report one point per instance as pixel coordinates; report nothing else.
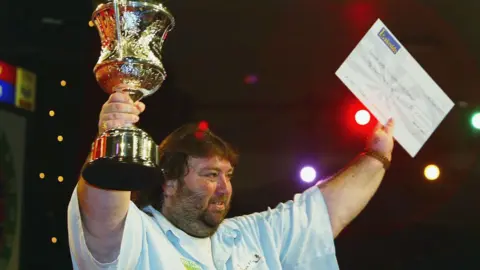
(132, 34)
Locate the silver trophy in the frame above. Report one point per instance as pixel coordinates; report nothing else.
(132, 35)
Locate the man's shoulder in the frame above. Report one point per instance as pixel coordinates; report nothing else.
(244, 224)
(235, 222)
(150, 218)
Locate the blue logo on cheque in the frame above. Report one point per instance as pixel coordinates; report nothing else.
(389, 40)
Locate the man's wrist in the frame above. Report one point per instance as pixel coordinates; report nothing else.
(384, 160)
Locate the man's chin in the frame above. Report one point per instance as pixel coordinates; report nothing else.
(214, 219)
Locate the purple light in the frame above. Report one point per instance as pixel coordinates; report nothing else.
(308, 174)
(250, 79)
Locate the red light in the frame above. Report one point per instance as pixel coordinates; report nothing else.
(203, 125)
(360, 14)
(199, 135)
(362, 117)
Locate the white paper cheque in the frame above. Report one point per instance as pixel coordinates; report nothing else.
(383, 75)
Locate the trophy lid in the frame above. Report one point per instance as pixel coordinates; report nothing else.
(155, 4)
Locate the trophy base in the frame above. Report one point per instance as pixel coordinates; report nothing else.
(114, 174)
(123, 159)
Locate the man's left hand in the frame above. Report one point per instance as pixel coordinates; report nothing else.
(381, 140)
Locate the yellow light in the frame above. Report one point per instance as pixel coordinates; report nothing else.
(60, 138)
(60, 179)
(51, 113)
(41, 175)
(431, 172)
(91, 24)
(63, 83)
(54, 240)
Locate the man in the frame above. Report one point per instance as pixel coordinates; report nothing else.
(181, 222)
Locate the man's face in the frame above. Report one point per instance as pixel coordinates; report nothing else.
(199, 204)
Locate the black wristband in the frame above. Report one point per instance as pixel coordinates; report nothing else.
(379, 157)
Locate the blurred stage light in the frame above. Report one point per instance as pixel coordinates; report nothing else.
(201, 129)
(475, 120)
(63, 83)
(362, 117)
(250, 79)
(41, 175)
(51, 113)
(360, 14)
(60, 138)
(308, 174)
(60, 179)
(91, 24)
(203, 125)
(431, 172)
(54, 240)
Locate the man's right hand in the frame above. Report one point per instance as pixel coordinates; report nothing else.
(119, 111)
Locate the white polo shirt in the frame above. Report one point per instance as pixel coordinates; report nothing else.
(294, 235)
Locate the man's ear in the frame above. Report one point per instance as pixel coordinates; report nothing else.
(170, 187)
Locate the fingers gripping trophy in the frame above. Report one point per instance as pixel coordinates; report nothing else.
(132, 35)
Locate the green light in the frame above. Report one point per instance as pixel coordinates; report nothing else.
(476, 120)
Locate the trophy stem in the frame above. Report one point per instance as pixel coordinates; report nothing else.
(135, 95)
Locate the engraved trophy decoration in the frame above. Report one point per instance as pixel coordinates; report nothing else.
(132, 35)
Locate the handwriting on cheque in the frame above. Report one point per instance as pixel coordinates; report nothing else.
(398, 93)
(391, 82)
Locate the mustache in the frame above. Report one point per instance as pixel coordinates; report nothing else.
(219, 199)
(198, 198)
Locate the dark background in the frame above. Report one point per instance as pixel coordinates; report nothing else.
(297, 113)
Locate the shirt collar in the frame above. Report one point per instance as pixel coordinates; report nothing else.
(227, 230)
(220, 244)
(167, 227)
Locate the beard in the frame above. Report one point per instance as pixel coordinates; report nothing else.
(189, 211)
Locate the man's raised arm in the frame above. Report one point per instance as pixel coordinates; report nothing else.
(349, 191)
(103, 212)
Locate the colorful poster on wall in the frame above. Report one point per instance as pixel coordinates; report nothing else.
(26, 87)
(12, 159)
(7, 93)
(8, 73)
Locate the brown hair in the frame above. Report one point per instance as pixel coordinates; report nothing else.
(190, 140)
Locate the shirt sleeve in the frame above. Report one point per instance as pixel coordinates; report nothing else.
(130, 247)
(301, 231)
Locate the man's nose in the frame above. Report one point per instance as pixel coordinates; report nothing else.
(222, 184)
